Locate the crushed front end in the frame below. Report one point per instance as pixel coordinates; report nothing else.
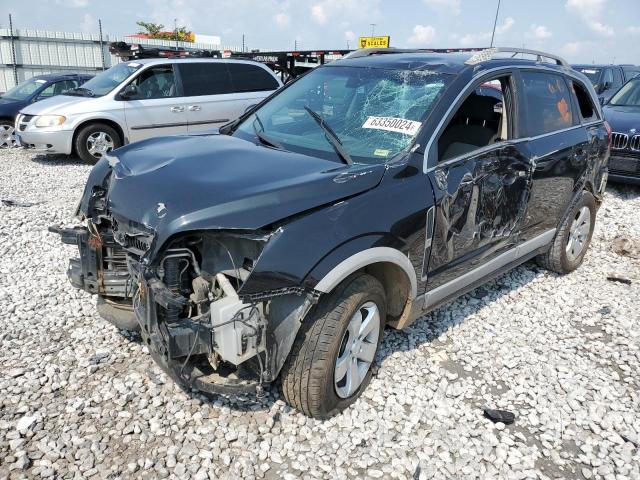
(194, 319)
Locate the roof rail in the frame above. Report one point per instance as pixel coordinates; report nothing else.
(480, 55)
(488, 53)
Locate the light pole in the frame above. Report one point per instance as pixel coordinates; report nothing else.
(373, 29)
(495, 22)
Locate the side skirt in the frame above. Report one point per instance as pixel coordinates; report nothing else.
(501, 264)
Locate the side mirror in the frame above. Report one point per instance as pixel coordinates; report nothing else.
(130, 91)
(606, 86)
(601, 99)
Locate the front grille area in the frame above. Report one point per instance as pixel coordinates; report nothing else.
(136, 243)
(619, 141)
(634, 144)
(23, 121)
(625, 163)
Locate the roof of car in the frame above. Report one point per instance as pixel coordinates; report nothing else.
(453, 63)
(161, 61)
(57, 76)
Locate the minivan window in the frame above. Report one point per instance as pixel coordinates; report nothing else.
(617, 77)
(200, 78)
(373, 113)
(109, 79)
(593, 74)
(548, 104)
(251, 78)
(57, 88)
(155, 82)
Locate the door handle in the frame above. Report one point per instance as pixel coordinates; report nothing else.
(194, 108)
(177, 109)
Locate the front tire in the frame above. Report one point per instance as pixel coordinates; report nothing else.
(330, 362)
(95, 140)
(572, 238)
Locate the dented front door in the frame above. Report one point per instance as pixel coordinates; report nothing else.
(481, 200)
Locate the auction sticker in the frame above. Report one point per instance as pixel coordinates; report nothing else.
(391, 124)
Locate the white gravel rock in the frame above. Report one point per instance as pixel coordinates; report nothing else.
(80, 399)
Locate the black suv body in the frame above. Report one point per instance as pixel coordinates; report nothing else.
(364, 194)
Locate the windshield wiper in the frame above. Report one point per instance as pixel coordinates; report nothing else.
(82, 91)
(262, 136)
(331, 137)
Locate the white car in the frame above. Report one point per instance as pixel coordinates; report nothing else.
(141, 99)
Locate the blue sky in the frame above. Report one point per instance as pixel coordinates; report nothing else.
(580, 30)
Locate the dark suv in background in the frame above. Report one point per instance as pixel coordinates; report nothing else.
(365, 193)
(607, 79)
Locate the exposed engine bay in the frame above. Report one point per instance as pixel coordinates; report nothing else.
(197, 324)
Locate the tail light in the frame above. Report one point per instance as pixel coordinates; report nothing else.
(608, 128)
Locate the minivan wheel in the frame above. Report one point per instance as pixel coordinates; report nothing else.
(573, 237)
(330, 362)
(118, 313)
(8, 137)
(95, 140)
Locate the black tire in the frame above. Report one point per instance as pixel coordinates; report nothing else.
(556, 258)
(307, 378)
(80, 142)
(118, 313)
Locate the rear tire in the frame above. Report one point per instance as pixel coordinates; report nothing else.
(340, 335)
(572, 238)
(95, 140)
(118, 313)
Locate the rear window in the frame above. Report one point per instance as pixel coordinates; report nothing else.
(548, 104)
(251, 78)
(588, 111)
(205, 79)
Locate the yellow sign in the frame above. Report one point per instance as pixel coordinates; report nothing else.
(374, 42)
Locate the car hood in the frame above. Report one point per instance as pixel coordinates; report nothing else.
(622, 119)
(10, 107)
(60, 104)
(195, 182)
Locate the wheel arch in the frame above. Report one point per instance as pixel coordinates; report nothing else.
(107, 121)
(390, 267)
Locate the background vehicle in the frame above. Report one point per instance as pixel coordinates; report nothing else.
(606, 79)
(141, 99)
(30, 91)
(363, 194)
(623, 114)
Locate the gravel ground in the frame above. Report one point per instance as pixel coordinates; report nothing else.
(80, 399)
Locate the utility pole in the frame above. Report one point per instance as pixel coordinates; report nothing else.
(101, 43)
(373, 29)
(243, 43)
(495, 22)
(175, 31)
(14, 65)
(295, 45)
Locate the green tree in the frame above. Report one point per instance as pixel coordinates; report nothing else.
(152, 29)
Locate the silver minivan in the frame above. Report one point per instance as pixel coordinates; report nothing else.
(139, 99)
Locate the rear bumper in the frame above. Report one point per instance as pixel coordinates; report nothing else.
(59, 141)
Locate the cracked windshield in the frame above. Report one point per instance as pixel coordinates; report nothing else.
(361, 115)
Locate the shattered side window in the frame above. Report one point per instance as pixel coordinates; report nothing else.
(375, 113)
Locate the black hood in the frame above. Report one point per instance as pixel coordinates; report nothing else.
(184, 183)
(622, 119)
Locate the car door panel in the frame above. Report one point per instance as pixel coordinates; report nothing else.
(159, 109)
(210, 111)
(481, 201)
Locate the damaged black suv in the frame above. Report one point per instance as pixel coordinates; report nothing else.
(364, 194)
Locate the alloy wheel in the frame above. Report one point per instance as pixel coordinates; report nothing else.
(357, 349)
(578, 233)
(99, 144)
(8, 137)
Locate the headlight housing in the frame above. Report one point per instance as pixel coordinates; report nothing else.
(49, 121)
